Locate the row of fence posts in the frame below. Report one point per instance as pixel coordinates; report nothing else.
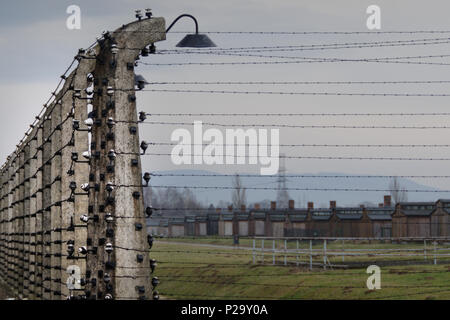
(325, 254)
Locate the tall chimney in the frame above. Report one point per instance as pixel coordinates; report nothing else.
(387, 201)
(243, 207)
(273, 205)
(332, 204)
(257, 206)
(310, 205)
(291, 204)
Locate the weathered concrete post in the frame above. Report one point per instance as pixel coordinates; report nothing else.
(46, 202)
(38, 213)
(128, 264)
(55, 189)
(20, 222)
(15, 224)
(26, 222)
(32, 213)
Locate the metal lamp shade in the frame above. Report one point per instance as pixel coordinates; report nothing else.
(196, 41)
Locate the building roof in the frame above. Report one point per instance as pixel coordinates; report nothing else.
(349, 216)
(227, 216)
(380, 213)
(379, 216)
(417, 208)
(201, 218)
(242, 216)
(321, 214)
(277, 215)
(297, 217)
(349, 213)
(380, 210)
(258, 214)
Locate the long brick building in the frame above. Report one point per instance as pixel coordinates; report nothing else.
(405, 219)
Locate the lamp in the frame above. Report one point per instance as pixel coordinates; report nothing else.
(195, 40)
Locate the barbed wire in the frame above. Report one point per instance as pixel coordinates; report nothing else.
(297, 114)
(292, 189)
(301, 60)
(345, 45)
(296, 176)
(308, 157)
(309, 145)
(251, 54)
(297, 82)
(292, 126)
(372, 32)
(293, 93)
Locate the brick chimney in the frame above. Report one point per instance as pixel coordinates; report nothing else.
(380, 205)
(332, 204)
(387, 201)
(291, 204)
(273, 205)
(243, 207)
(310, 205)
(257, 206)
(230, 208)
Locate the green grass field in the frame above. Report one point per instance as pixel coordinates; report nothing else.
(188, 271)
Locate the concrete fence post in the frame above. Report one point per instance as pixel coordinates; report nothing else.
(253, 251)
(114, 97)
(20, 222)
(38, 213)
(273, 252)
(262, 251)
(55, 201)
(46, 205)
(26, 222)
(32, 212)
(425, 249)
(435, 251)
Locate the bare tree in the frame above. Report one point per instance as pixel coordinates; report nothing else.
(238, 196)
(171, 198)
(398, 192)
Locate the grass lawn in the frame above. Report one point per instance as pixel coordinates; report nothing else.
(195, 272)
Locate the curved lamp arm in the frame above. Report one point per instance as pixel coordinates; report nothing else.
(181, 16)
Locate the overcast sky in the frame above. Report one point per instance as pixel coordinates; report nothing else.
(37, 47)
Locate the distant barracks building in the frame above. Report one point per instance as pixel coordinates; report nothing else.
(404, 220)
